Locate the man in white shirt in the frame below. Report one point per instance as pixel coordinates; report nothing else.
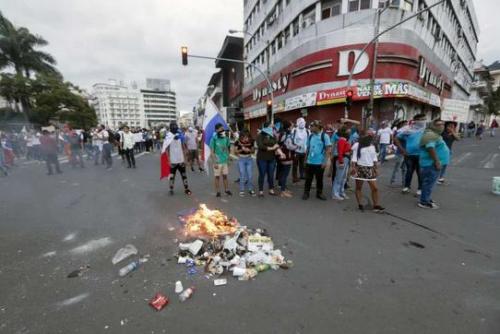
(384, 135)
(127, 143)
(103, 135)
(192, 146)
(174, 142)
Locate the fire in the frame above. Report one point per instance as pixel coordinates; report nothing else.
(209, 223)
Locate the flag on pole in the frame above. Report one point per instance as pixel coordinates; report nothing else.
(211, 118)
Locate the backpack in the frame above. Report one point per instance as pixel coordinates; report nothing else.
(323, 136)
(295, 131)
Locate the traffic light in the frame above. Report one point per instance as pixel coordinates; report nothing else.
(348, 99)
(184, 52)
(269, 109)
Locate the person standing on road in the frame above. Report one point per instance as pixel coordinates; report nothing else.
(318, 153)
(3, 167)
(342, 168)
(471, 127)
(399, 165)
(127, 144)
(449, 136)
(299, 139)
(480, 131)
(97, 146)
(75, 140)
(493, 127)
(49, 151)
(411, 135)
(107, 148)
(365, 168)
(384, 136)
(220, 145)
(244, 149)
(174, 142)
(434, 155)
(192, 146)
(267, 146)
(285, 160)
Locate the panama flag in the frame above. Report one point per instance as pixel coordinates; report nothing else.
(211, 118)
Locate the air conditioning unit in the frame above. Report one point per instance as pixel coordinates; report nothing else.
(460, 33)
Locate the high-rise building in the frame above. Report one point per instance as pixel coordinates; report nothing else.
(308, 48)
(117, 105)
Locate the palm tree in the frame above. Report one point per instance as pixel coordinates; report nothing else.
(17, 49)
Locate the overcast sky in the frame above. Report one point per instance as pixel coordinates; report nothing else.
(95, 40)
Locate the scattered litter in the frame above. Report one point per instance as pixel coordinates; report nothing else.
(220, 281)
(69, 237)
(416, 244)
(131, 267)
(74, 300)
(221, 245)
(159, 302)
(178, 287)
(106, 327)
(49, 254)
(171, 228)
(186, 294)
(214, 294)
(124, 253)
(78, 272)
(123, 322)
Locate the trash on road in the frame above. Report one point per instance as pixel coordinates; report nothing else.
(178, 287)
(131, 267)
(221, 245)
(78, 272)
(186, 294)
(124, 253)
(159, 302)
(220, 281)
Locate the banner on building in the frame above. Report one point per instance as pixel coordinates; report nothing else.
(455, 110)
(300, 101)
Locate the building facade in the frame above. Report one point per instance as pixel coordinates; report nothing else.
(159, 107)
(117, 105)
(308, 48)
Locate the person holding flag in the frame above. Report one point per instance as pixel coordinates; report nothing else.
(172, 158)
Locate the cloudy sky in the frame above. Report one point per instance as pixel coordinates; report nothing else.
(95, 40)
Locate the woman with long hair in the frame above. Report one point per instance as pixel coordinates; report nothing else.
(365, 168)
(266, 161)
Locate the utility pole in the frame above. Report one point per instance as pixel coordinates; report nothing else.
(369, 112)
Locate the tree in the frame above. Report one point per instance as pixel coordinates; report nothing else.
(18, 50)
(492, 103)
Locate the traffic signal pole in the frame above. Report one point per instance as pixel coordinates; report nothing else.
(377, 36)
(269, 83)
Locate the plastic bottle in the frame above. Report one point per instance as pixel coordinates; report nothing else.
(131, 267)
(186, 294)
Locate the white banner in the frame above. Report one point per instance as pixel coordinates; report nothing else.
(455, 110)
(300, 101)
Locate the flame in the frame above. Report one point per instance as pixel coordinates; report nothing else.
(209, 223)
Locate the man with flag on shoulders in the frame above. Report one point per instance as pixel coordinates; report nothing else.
(172, 158)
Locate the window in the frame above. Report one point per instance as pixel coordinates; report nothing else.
(355, 5)
(295, 25)
(309, 17)
(330, 8)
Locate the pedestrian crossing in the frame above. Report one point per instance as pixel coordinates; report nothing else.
(482, 160)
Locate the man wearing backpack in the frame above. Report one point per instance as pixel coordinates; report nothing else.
(318, 155)
(299, 139)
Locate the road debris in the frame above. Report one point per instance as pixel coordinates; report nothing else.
(159, 302)
(124, 253)
(78, 272)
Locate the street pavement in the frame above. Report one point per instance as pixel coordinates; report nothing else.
(408, 271)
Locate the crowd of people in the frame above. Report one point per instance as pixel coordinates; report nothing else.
(284, 153)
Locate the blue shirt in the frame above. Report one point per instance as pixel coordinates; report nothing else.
(333, 141)
(316, 148)
(442, 152)
(412, 138)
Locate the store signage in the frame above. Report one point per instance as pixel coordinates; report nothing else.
(300, 101)
(344, 57)
(331, 96)
(428, 77)
(280, 85)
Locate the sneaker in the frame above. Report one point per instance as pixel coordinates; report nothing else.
(305, 197)
(201, 169)
(272, 192)
(188, 192)
(171, 192)
(252, 193)
(285, 194)
(419, 192)
(337, 198)
(378, 209)
(405, 190)
(321, 197)
(261, 194)
(229, 193)
(218, 194)
(344, 196)
(427, 205)
(242, 194)
(361, 208)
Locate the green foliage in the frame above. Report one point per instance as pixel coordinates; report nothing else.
(493, 103)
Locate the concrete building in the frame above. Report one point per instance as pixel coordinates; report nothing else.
(494, 70)
(186, 120)
(308, 48)
(117, 105)
(481, 89)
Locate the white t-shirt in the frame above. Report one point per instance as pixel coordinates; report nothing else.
(192, 140)
(385, 135)
(138, 137)
(176, 153)
(368, 155)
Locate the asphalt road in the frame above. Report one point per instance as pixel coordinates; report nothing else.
(354, 272)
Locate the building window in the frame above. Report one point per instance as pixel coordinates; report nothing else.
(330, 8)
(295, 26)
(355, 5)
(309, 17)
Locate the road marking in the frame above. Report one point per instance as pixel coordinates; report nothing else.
(491, 163)
(70, 237)
(74, 300)
(486, 160)
(462, 158)
(49, 254)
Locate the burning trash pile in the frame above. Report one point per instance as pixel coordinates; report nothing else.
(221, 245)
